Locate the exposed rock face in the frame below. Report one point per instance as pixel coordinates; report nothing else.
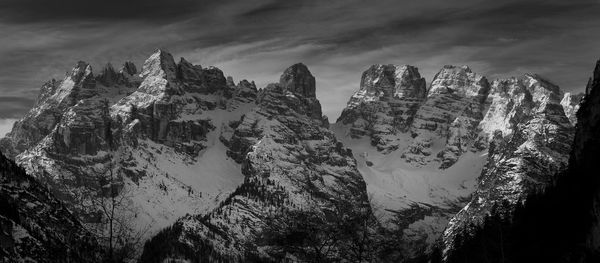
(177, 138)
(290, 161)
(56, 97)
(298, 79)
(35, 226)
(570, 103)
(449, 117)
(385, 104)
(183, 141)
(467, 140)
(530, 145)
(156, 133)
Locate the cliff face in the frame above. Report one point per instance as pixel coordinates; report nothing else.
(557, 221)
(214, 161)
(530, 145)
(466, 140)
(385, 104)
(178, 139)
(571, 104)
(449, 117)
(290, 161)
(152, 136)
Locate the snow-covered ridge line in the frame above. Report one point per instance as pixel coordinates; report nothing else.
(433, 149)
(156, 132)
(183, 139)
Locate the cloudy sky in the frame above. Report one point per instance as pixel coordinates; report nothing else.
(257, 39)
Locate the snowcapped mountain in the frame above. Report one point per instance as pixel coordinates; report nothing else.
(203, 165)
(386, 103)
(462, 139)
(152, 136)
(524, 156)
(175, 141)
(290, 160)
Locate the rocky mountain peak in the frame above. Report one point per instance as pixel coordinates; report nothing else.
(46, 91)
(159, 64)
(128, 68)
(570, 103)
(535, 81)
(109, 76)
(190, 73)
(385, 104)
(386, 82)
(459, 80)
(546, 95)
(296, 89)
(81, 71)
(298, 79)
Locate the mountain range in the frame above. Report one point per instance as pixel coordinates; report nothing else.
(178, 162)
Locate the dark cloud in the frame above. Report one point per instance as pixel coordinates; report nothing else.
(48, 10)
(257, 39)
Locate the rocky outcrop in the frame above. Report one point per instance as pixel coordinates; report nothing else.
(56, 97)
(454, 107)
(290, 162)
(168, 98)
(570, 103)
(518, 123)
(155, 133)
(385, 104)
(35, 226)
(530, 144)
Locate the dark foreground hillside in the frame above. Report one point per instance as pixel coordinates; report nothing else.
(35, 226)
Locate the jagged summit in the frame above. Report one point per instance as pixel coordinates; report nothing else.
(160, 64)
(570, 103)
(128, 68)
(298, 79)
(80, 70)
(290, 162)
(384, 104)
(109, 76)
(184, 139)
(459, 80)
(388, 82)
(452, 127)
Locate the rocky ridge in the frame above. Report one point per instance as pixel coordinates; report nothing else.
(571, 104)
(182, 141)
(524, 154)
(148, 134)
(468, 139)
(290, 161)
(385, 104)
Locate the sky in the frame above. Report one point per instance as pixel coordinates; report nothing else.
(258, 39)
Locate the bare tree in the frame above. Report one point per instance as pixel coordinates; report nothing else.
(113, 224)
(346, 230)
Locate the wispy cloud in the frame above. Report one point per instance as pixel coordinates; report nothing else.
(257, 39)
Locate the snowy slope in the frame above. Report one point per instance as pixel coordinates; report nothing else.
(440, 161)
(290, 160)
(158, 132)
